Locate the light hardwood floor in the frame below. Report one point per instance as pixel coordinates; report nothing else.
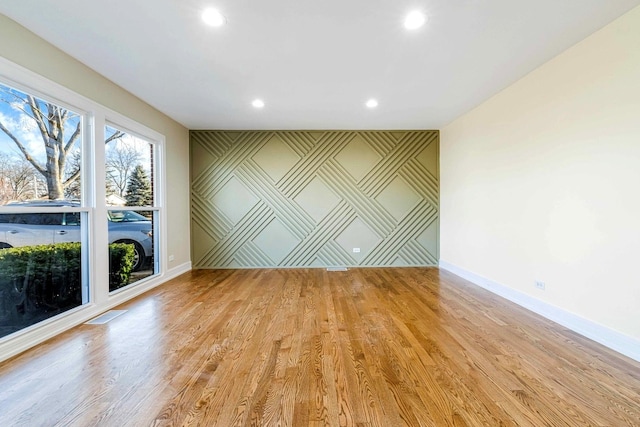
(366, 347)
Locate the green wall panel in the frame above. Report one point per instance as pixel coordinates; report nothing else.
(308, 198)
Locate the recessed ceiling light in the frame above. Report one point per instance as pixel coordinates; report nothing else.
(213, 17)
(372, 103)
(414, 20)
(258, 103)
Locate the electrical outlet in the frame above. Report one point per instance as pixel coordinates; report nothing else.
(171, 258)
(356, 250)
(540, 285)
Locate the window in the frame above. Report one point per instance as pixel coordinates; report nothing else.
(132, 211)
(66, 180)
(42, 242)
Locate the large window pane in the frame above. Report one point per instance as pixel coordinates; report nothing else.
(129, 164)
(40, 149)
(42, 223)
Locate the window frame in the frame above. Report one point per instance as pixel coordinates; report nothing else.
(92, 207)
(157, 141)
(36, 86)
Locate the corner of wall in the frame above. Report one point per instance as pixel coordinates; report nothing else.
(601, 334)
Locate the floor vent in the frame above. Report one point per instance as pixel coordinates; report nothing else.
(106, 317)
(337, 268)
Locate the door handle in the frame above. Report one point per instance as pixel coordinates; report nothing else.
(62, 232)
(12, 231)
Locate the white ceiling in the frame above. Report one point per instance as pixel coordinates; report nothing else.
(314, 62)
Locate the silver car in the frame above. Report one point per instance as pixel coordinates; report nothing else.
(29, 229)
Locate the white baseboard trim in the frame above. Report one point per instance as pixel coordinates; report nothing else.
(177, 270)
(610, 338)
(38, 333)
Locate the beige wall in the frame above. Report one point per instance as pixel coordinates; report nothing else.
(303, 198)
(542, 182)
(28, 50)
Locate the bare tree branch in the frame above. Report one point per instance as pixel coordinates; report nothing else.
(120, 162)
(24, 151)
(72, 139)
(16, 178)
(61, 114)
(13, 105)
(40, 121)
(116, 135)
(71, 179)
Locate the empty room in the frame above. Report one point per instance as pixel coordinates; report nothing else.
(294, 213)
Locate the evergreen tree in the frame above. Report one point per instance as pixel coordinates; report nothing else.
(139, 191)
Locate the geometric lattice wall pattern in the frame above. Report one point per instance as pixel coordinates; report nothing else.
(314, 198)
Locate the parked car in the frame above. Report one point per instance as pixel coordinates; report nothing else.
(39, 228)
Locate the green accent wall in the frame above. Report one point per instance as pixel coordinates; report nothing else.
(308, 198)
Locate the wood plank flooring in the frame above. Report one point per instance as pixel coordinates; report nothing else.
(365, 347)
